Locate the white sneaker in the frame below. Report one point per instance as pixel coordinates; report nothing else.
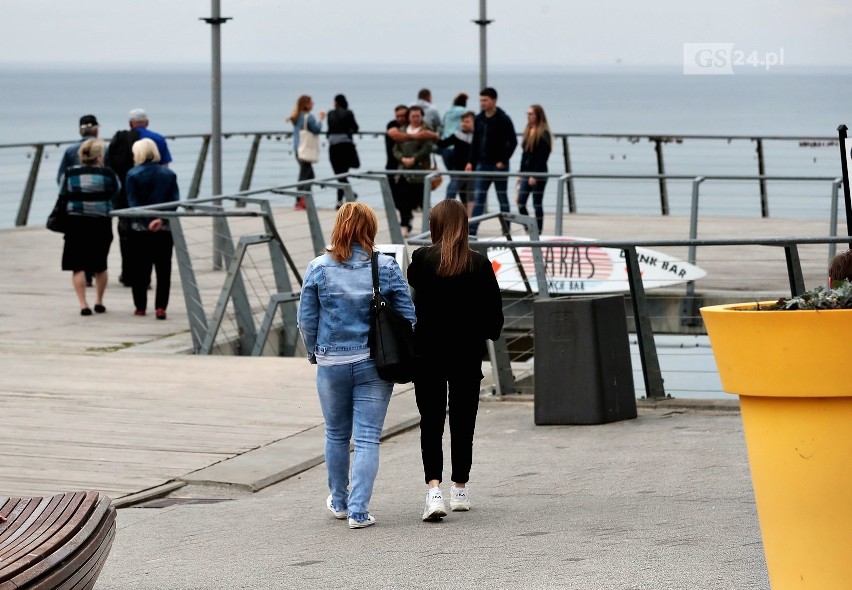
(434, 509)
(459, 500)
(355, 524)
(338, 514)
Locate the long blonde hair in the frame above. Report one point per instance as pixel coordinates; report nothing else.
(448, 224)
(534, 132)
(355, 223)
(301, 106)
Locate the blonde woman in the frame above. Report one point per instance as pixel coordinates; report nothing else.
(89, 190)
(537, 143)
(334, 321)
(301, 118)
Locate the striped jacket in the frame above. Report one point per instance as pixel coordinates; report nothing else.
(89, 190)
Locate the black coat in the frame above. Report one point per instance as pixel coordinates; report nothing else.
(455, 315)
(494, 139)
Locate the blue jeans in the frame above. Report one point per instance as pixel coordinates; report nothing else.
(537, 193)
(461, 186)
(354, 401)
(481, 191)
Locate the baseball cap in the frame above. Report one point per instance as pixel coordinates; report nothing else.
(137, 115)
(88, 121)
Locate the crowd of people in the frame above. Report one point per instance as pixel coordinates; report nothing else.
(93, 181)
(463, 140)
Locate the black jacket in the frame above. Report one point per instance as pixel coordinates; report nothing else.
(461, 151)
(535, 159)
(455, 315)
(494, 139)
(342, 121)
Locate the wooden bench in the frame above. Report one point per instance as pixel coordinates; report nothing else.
(55, 542)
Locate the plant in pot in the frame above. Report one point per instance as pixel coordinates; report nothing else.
(786, 360)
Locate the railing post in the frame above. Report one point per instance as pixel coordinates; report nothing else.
(661, 170)
(761, 170)
(191, 295)
(644, 333)
(195, 187)
(560, 198)
(566, 157)
(29, 189)
(832, 230)
(245, 183)
(689, 315)
(427, 200)
(794, 270)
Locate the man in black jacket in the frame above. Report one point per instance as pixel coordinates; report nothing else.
(494, 142)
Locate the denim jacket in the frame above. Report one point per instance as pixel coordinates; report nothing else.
(334, 312)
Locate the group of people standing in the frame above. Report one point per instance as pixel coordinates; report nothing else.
(456, 308)
(466, 141)
(92, 182)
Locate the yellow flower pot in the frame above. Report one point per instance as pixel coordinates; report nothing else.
(789, 369)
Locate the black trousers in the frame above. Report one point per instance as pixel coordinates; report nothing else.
(306, 172)
(341, 157)
(407, 198)
(151, 250)
(433, 388)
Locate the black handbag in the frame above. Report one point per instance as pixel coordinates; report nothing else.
(57, 218)
(391, 337)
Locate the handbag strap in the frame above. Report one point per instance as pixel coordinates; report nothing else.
(305, 116)
(377, 293)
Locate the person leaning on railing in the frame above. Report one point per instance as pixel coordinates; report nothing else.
(151, 244)
(89, 190)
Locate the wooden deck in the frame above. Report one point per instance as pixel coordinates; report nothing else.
(105, 403)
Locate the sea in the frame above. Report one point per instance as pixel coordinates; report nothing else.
(44, 103)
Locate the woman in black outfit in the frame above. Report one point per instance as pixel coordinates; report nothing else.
(537, 143)
(458, 307)
(341, 148)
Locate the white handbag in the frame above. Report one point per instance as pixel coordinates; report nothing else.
(308, 143)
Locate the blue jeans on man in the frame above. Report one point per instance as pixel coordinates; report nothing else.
(481, 191)
(354, 401)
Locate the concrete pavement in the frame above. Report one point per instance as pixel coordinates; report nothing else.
(664, 501)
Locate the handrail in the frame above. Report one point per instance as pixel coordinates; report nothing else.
(565, 182)
(366, 133)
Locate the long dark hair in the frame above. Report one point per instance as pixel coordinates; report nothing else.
(448, 224)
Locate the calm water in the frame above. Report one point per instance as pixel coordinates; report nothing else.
(44, 105)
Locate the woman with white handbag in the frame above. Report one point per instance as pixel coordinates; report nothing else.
(306, 130)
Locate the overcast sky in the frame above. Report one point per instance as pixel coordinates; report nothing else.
(524, 32)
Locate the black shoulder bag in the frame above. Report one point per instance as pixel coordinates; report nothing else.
(391, 337)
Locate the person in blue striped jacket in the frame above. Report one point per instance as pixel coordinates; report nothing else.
(89, 190)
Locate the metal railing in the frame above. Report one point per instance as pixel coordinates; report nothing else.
(586, 160)
(239, 315)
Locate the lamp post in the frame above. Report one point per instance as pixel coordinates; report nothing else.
(215, 21)
(483, 22)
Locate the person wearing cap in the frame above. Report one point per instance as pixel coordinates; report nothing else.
(88, 130)
(139, 122)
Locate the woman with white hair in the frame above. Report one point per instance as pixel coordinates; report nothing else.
(151, 244)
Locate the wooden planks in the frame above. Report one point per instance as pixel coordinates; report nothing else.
(55, 542)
